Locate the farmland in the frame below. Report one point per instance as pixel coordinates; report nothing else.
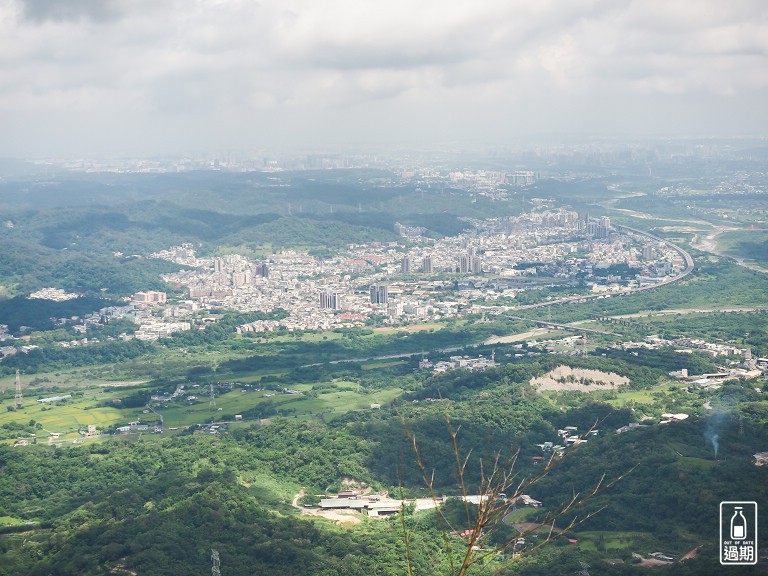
(100, 404)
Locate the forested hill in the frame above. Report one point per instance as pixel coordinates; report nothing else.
(92, 232)
(158, 506)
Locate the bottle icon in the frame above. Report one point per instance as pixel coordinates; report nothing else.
(738, 525)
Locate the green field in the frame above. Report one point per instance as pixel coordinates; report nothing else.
(383, 364)
(342, 398)
(524, 514)
(696, 465)
(599, 540)
(747, 244)
(33, 385)
(68, 416)
(638, 396)
(433, 326)
(268, 489)
(10, 521)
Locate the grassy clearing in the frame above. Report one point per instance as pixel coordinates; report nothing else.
(599, 540)
(301, 337)
(343, 397)
(10, 521)
(383, 364)
(639, 396)
(692, 464)
(523, 514)
(267, 489)
(414, 328)
(320, 336)
(255, 377)
(748, 244)
(183, 413)
(33, 385)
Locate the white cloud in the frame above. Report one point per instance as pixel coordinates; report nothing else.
(228, 64)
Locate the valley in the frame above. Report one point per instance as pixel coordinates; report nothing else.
(287, 372)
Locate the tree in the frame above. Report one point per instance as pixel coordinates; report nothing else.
(501, 487)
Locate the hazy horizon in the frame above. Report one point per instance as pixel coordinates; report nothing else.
(140, 78)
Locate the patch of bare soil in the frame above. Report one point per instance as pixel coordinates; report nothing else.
(579, 379)
(692, 554)
(522, 336)
(340, 517)
(123, 383)
(650, 562)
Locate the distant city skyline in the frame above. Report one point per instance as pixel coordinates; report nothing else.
(110, 78)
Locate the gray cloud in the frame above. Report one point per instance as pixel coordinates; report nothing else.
(57, 10)
(299, 69)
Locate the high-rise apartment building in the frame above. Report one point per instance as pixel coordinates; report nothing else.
(379, 294)
(647, 252)
(330, 300)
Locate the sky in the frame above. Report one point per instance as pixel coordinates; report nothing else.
(174, 77)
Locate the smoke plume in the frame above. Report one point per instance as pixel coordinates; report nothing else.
(712, 431)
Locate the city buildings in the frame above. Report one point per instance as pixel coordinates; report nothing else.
(495, 259)
(379, 294)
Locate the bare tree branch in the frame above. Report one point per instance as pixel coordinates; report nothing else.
(498, 478)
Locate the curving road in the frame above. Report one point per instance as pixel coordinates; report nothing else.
(687, 258)
(689, 265)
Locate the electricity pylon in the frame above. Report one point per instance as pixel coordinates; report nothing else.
(19, 396)
(216, 568)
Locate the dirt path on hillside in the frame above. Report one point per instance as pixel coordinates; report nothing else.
(340, 517)
(295, 501)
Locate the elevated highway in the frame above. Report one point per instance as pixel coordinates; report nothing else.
(687, 259)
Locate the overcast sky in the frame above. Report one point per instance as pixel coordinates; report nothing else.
(143, 77)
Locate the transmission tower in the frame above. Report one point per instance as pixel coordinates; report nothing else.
(584, 569)
(213, 397)
(19, 396)
(216, 568)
